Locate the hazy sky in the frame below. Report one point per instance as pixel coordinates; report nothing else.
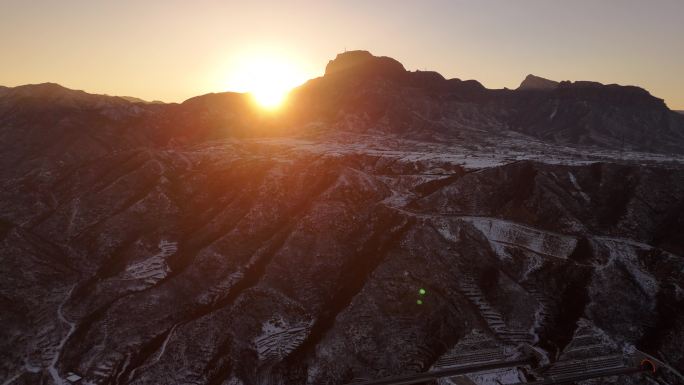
(172, 50)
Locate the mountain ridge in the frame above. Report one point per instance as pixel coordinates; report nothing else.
(382, 96)
(351, 61)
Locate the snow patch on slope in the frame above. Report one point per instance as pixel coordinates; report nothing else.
(279, 337)
(152, 269)
(502, 233)
(626, 253)
(444, 227)
(573, 180)
(497, 377)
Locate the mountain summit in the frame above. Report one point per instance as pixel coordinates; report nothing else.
(533, 82)
(364, 63)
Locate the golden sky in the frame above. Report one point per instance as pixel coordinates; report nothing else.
(172, 50)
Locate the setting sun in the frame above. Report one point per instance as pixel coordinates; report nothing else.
(267, 77)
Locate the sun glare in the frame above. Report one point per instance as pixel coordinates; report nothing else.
(268, 78)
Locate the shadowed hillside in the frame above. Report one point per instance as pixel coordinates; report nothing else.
(210, 242)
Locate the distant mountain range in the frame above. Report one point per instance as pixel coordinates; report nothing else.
(379, 95)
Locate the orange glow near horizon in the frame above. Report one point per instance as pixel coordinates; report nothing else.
(267, 77)
(175, 50)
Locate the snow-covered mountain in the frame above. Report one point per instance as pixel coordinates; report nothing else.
(209, 243)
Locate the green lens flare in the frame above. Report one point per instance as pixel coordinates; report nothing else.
(422, 291)
(419, 302)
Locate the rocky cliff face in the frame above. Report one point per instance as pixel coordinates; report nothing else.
(379, 96)
(533, 82)
(146, 244)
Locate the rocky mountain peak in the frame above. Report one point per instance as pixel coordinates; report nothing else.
(533, 82)
(363, 63)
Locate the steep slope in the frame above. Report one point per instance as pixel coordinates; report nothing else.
(609, 116)
(48, 121)
(259, 262)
